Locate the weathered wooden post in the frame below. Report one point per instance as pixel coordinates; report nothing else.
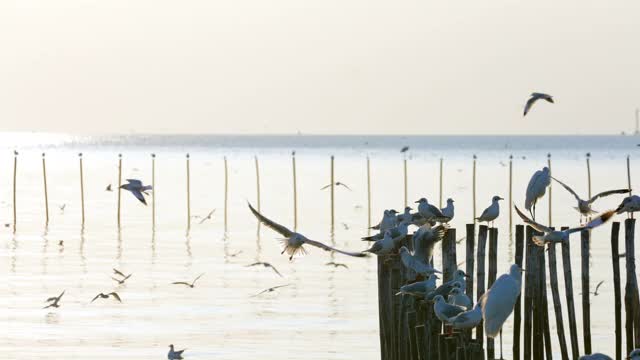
(368, 193)
(615, 259)
(449, 261)
(545, 305)
(493, 269)
(295, 191)
(528, 296)
(15, 175)
(406, 181)
(482, 245)
(441, 176)
(568, 283)
(188, 193)
(511, 198)
(549, 188)
(333, 190)
(589, 174)
(46, 194)
(586, 307)
(631, 287)
(119, 184)
(81, 188)
(517, 309)
(153, 193)
(474, 188)
(557, 305)
(471, 256)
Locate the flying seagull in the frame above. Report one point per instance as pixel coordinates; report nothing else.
(271, 289)
(108, 188)
(492, 212)
(293, 241)
(553, 236)
(55, 299)
(404, 149)
(174, 354)
(596, 293)
(584, 206)
(337, 183)
(62, 207)
(137, 189)
(118, 272)
(536, 189)
(106, 296)
(335, 264)
(418, 265)
(535, 97)
(121, 281)
(267, 265)
(191, 284)
(208, 217)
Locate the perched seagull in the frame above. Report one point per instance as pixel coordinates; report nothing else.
(398, 233)
(191, 284)
(108, 188)
(445, 311)
(293, 241)
(415, 264)
(208, 217)
(420, 288)
(137, 189)
(492, 212)
(54, 301)
(584, 206)
(106, 296)
(404, 149)
(458, 281)
(498, 302)
(430, 212)
(536, 189)
(173, 354)
(535, 97)
(553, 236)
(448, 210)
(468, 319)
(389, 221)
(267, 265)
(634, 355)
(595, 356)
(383, 246)
(271, 289)
(425, 238)
(121, 281)
(458, 297)
(405, 216)
(336, 265)
(629, 204)
(337, 183)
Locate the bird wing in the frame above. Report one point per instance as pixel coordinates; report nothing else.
(533, 224)
(118, 272)
(343, 265)
(569, 189)
(607, 193)
(497, 304)
(484, 213)
(97, 296)
(451, 310)
(134, 182)
(118, 280)
(274, 269)
(529, 104)
(260, 293)
(126, 277)
(271, 224)
(279, 286)
(196, 279)
(115, 295)
(600, 219)
(254, 264)
(324, 187)
(599, 284)
(329, 248)
(181, 283)
(53, 298)
(139, 196)
(345, 185)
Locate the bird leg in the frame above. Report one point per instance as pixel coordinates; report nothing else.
(501, 345)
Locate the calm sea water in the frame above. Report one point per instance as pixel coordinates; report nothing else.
(325, 312)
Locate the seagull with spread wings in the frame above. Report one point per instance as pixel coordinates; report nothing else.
(208, 217)
(584, 206)
(337, 183)
(336, 265)
(267, 265)
(553, 236)
(137, 189)
(121, 281)
(55, 299)
(106, 296)
(271, 289)
(191, 284)
(535, 97)
(293, 241)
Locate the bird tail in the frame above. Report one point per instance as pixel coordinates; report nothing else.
(538, 240)
(369, 238)
(147, 187)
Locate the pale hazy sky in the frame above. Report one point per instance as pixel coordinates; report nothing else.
(330, 66)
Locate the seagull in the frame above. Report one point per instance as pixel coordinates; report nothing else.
(458, 281)
(382, 246)
(389, 221)
(335, 264)
(345, 226)
(108, 188)
(54, 301)
(445, 311)
(634, 355)
(121, 281)
(596, 293)
(415, 264)
(398, 233)
(62, 207)
(553, 236)
(271, 289)
(430, 212)
(535, 97)
(629, 204)
(538, 184)
(405, 216)
(208, 217)
(492, 212)
(404, 149)
(498, 302)
(448, 210)
(118, 272)
(584, 206)
(267, 265)
(337, 183)
(293, 241)
(420, 288)
(425, 238)
(191, 285)
(137, 189)
(458, 297)
(173, 354)
(595, 356)
(106, 296)
(468, 319)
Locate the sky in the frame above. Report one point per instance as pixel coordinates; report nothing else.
(318, 67)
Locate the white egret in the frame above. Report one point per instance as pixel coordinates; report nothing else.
(498, 302)
(536, 189)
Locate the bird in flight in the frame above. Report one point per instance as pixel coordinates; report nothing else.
(293, 241)
(335, 264)
(191, 284)
(55, 299)
(271, 289)
(584, 206)
(596, 293)
(535, 97)
(337, 183)
(175, 354)
(108, 188)
(62, 207)
(121, 281)
(404, 149)
(118, 272)
(267, 265)
(137, 189)
(106, 296)
(208, 217)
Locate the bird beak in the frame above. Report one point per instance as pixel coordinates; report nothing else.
(501, 199)
(467, 276)
(417, 202)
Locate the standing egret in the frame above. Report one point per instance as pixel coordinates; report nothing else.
(498, 302)
(538, 184)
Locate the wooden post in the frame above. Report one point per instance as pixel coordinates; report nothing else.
(474, 188)
(629, 180)
(546, 329)
(557, 305)
(15, 175)
(517, 309)
(449, 262)
(493, 269)
(333, 188)
(511, 197)
(368, 193)
(441, 176)
(257, 187)
(615, 259)
(153, 192)
(226, 191)
(568, 283)
(631, 286)
(589, 178)
(550, 185)
(528, 296)
(586, 307)
(46, 194)
(81, 188)
(482, 244)
(295, 192)
(188, 194)
(406, 182)
(471, 255)
(119, 184)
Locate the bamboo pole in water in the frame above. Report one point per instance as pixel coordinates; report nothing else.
(226, 191)
(510, 194)
(406, 182)
(333, 189)
(586, 306)
(81, 188)
(615, 259)
(550, 185)
(482, 245)
(257, 186)
(631, 287)
(188, 194)
(15, 172)
(441, 182)
(528, 296)
(470, 262)
(119, 184)
(517, 309)
(589, 174)
(46, 194)
(368, 193)
(557, 305)
(568, 283)
(295, 192)
(629, 180)
(153, 191)
(474, 187)
(491, 278)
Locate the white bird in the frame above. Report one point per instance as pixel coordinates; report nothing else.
(468, 319)
(553, 236)
(445, 311)
(405, 216)
(492, 212)
(536, 189)
(173, 354)
(458, 281)
(383, 246)
(419, 288)
(137, 189)
(398, 233)
(497, 303)
(634, 355)
(458, 297)
(415, 264)
(389, 221)
(584, 206)
(430, 212)
(293, 241)
(535, 97)
(595, 356)
(629, 204)
(425, 238)
(448, 210)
